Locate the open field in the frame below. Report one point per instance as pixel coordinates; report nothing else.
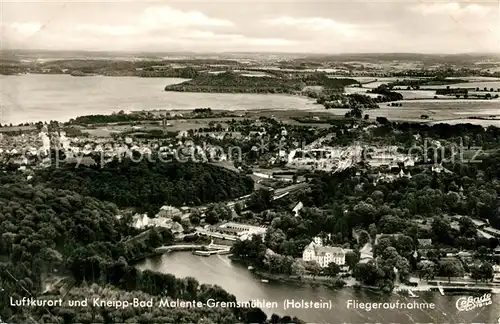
(351, 90)
(419, 94)
(435, 109)
(477, 79)
(488, 84)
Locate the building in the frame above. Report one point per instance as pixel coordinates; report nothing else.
(169, 212)
(297, 208)
(492, 231)
(242, 231)
(496, 272)
(389, 236)
(324, 255)
(366, 253)
(143, 221)
(424, 243)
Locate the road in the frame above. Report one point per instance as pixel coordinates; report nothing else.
(289, 189)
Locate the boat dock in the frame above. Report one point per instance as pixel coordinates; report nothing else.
(213, 249)
(213, 252)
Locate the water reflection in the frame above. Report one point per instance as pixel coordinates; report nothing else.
(240, 282)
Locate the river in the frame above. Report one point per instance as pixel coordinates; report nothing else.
(240, 282)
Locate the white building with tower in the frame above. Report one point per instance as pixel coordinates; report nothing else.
(324, 255)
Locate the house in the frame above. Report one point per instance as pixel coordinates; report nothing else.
(424, 243)
(169, 212)
(324, 255)
(283, 131)
(492, 231)
(366, 253)
(243, 231)
(496, 272)
(390, 236)
(496, 251)
(297, 208)
(479, 223)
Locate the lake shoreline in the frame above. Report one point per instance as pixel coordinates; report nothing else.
(245, 285)
(98, 96)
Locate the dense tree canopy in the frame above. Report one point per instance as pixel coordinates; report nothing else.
(149, 183)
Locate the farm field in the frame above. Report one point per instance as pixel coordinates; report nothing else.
(488, 84)
(437, 110)
(419, 94)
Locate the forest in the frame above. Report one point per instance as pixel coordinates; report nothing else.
(385, 92)
(232, 82)
(235, 83)
(54, 233)
(412, 208)
(149, 183)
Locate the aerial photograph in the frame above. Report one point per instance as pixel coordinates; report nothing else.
(253, 162)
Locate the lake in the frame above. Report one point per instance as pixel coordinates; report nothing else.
(43, 97)
(35, 97)
(240, 282)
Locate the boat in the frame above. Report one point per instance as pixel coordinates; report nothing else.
(264, 280)
(441, 290)
(202, 253)
(412, 295)
(250, 268)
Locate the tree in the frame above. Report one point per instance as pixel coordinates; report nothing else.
(314, 268)
(332, 269)
(195, 217)
(475, 272)
(382, 120)
(364, 238)
(211, 218)
(426, 269)
(238, 208)
(449, 269)
(486, 271)
(482, 251)
(351, 259)
(441, 230)
(260, 200)
(367, 116)
(274, 238)
(218, 212)
(298, 269)
(372, 229)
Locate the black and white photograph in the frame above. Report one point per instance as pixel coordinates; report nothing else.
(249, 162)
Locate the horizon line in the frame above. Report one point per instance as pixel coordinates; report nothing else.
(242, 52)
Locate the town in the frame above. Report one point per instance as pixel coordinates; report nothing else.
(239, 162)
(283, 177)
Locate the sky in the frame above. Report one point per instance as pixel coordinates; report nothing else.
(329, 26)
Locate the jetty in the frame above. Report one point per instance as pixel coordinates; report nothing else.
(213, 249)
(198, 249)
(178, 247)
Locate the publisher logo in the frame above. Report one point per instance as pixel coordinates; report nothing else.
(465, 304)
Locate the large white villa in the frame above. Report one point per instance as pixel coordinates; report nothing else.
(322, 254)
